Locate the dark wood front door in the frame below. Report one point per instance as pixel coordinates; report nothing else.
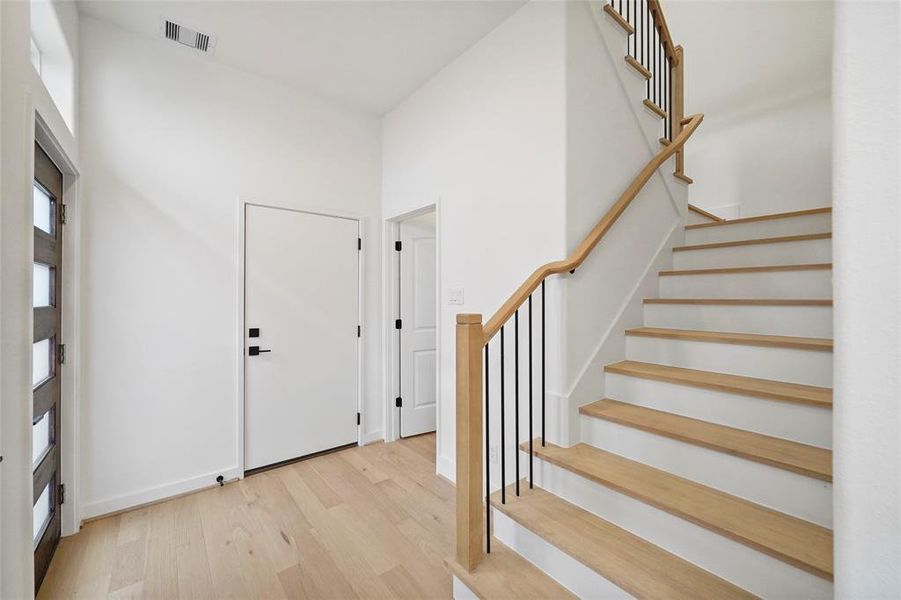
(48, 356)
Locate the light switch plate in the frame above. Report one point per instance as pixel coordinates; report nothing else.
(455, 295)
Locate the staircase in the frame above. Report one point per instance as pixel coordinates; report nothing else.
(706, 471)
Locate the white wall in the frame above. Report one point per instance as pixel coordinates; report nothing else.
(485, 139)
(760, 73)
(170, 141)
(22, 95)
(867, 254)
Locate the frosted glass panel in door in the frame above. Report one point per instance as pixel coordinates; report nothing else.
(42, 275)
(43, 210)
(40, 366)
(40, 513)
(40, 438)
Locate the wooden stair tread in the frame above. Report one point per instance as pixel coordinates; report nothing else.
(504, 574)
(776, 452)
(619, 19)
(707, 215)
(630, 60)
(723, 382)
(652, 106)
(725, 337)
(637, 566)
(755, 242)
(800, 543)
(744, 301)
(770, 217)
(757, 269)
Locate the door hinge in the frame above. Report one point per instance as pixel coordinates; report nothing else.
(62, 493)
(359, 243)
(398, 402)
(62, 214)
(398, 245)
(398, 324)
(358, 418)
(61, 354)
(359, 330)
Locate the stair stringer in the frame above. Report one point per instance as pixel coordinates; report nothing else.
(588, 385)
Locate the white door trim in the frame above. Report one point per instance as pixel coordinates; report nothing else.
(390, 355)
(240, 323)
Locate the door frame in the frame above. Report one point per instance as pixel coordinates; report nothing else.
(390, 295)
(240, 320)
(70, 382)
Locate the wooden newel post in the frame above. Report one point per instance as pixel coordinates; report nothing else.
(470, 534)
(679, 105)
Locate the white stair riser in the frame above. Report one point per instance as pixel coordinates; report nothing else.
(787, 420)
(791, 493)
(781, 253)
(694, 217)
(781, 364)
(745, 567)
(805, 321)
(560, 566)
(755, 284)
(755, 230)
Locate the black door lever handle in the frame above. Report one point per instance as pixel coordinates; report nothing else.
(255, 350)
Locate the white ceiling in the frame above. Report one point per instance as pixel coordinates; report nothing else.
(366, 55)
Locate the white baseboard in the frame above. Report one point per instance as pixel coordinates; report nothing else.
(446, 467)
(99, 508)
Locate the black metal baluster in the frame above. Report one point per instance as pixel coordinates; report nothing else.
(487, 457)
(543, 362)
(503, 425)
(531, 420)
(516, 391)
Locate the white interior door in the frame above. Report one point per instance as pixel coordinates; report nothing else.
(418, 308)
(301, 294)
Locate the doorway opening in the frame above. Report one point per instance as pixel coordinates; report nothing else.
(415, 281)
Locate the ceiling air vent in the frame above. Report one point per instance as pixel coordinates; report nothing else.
(188, 37)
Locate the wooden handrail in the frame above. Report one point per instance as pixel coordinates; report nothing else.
(593, 238)
(660, 23)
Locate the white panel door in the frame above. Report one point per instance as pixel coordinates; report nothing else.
(418, 308)
(301, 293)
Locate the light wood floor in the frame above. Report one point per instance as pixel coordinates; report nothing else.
(371, 522)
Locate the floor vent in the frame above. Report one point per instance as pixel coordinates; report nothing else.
(188, 37)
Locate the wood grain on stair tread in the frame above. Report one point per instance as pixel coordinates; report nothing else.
(745, 339)
(792, 540)
(770, 217)
(755, 242)
(618, 19)
(655, 109)
(637, 566)
(784, 454)
(638, 67)
(704, 213)
(723, 382)
(757, 269)
(744, 301)
(505, 575)
(683, 177)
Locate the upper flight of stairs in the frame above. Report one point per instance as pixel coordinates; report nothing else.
(705, 470)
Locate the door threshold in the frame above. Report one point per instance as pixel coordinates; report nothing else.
(291, 461)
